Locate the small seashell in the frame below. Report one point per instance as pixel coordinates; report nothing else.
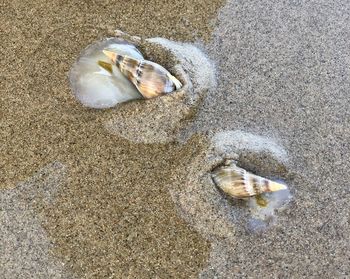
(151, 79)
(241, 184)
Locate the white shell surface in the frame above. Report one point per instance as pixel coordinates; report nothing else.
(96, 87)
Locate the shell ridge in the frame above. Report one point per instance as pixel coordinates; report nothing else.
(151, 79)
(241, 184)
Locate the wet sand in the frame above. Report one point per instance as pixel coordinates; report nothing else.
(283, 71)
(112, 216)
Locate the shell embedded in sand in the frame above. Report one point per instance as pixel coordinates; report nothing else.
(151, 79)
(241, 184)
(98, 84)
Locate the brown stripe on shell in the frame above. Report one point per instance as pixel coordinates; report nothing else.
(139, 73)
(255, 184)
(266, 185)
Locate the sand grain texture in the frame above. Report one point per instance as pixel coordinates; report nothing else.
(114, 217)
(285, 73)
(284, 70)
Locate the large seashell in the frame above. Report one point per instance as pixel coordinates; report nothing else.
(98, 84)
(241, 184)
(150, 79)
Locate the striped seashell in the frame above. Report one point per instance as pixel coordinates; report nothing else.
(151, 79)
(241, 184)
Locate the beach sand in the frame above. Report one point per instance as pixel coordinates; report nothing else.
(113, 216)
(283, 72)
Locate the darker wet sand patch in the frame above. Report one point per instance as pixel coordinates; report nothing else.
(40, 118)
(114, 214)
(116, 218)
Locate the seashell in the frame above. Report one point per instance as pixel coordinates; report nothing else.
(240, 184)
(95, 82)
(151, 79)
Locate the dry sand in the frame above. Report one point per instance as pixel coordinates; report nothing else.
(283, 71)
